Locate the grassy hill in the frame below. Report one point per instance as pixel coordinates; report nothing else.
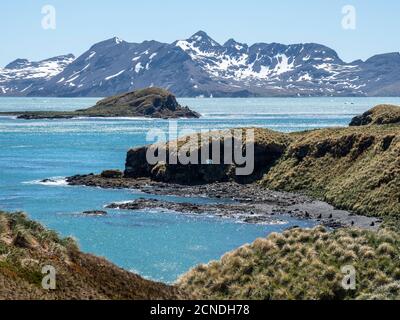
(26, 246)
(304, 265)
(356, 168)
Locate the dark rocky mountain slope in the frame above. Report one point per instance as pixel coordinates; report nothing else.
(200, 66)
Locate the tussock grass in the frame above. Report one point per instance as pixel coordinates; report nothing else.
(274, 268)
(352, 168)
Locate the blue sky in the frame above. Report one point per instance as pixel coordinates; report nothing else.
(81, 23)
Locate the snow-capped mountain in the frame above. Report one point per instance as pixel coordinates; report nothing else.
(200, 66)
(21, 75)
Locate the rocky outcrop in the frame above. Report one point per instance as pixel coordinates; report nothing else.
(150, 103)
(268, 147)
(355, 168)
(112, 174)
(95, 213)
(379, 115)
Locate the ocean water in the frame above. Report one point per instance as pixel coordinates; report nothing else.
(160, 245)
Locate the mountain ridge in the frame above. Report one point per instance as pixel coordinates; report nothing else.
(201, 67)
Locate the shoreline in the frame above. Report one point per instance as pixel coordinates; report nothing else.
(251, 203)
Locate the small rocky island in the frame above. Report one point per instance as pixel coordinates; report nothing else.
(149, 103)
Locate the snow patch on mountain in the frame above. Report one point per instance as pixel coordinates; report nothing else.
(200, 66)
(138, 67)
(21, 75)
(114, 75)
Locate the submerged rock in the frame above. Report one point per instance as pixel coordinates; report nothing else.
(95, 213)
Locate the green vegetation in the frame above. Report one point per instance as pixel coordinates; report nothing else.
(305, 265)
(26, 247)
(355, 168)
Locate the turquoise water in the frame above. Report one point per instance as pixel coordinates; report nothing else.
(158, 245)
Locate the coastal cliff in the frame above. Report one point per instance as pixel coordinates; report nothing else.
(268, 147)
(149, 103)
(356, 168)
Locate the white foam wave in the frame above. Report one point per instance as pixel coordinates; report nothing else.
(9, 117)
(52, 182)
(115, 118)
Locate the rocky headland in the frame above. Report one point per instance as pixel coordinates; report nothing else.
(149, 103)
(354, 169)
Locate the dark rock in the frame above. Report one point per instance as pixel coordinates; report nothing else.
(136, 164)
(265, 203)
(47, 180)
(268, 148)
(112, 174)
(95, 213)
